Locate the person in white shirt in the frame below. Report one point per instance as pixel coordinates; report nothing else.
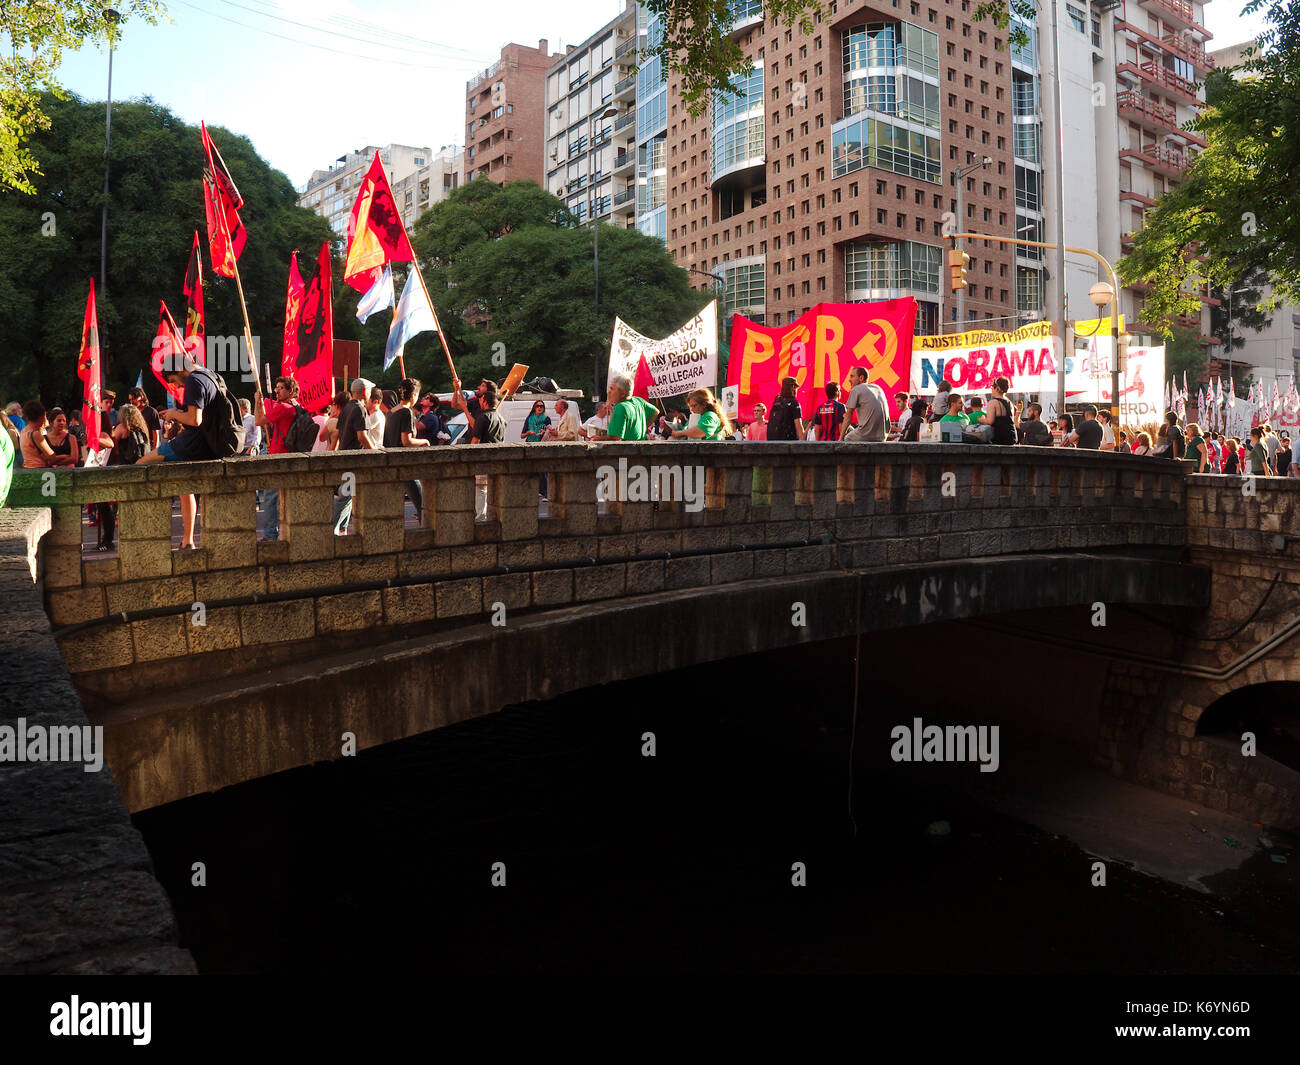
(598, 422)
(1107, 432)
(375, 418)
(252, 431)
(566, 427)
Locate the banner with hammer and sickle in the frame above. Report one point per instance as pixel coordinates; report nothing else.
(820, 347)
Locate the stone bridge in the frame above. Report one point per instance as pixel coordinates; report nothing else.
(217, 665)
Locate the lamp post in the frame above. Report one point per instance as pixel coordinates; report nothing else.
(1101, 294)
(112, 17)
(1060, 211)
(958, 176)
(609, 112)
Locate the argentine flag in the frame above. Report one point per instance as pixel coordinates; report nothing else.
(379, 296)
(413, 315)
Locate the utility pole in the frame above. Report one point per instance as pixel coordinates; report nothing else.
(958, 177)
(1061, 324)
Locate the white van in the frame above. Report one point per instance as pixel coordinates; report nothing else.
(515, 411)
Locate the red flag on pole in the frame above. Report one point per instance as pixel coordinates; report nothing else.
(193, 292)
(315, 339)
(221, 204)
(644, 379)
(166, 342)
(376, 234)
(88, 369)
(292, 314)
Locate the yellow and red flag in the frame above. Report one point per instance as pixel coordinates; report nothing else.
(88, 368)
(376, 234)
(193, 292)
(221, 204)
(292, 315)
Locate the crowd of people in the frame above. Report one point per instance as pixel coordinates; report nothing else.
(368, 417)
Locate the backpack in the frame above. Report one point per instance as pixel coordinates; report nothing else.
(222, 427)
(302, 432)
(129, 450)
(780, 425)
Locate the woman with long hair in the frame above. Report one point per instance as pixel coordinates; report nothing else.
(912, 430)
(786, 419)
(1142, 444)
(61, 441)
(713, 423)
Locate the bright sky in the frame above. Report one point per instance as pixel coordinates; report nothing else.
(308, 80)
(378, 72)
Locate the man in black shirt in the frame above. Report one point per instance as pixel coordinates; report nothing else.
(1087, 434)
(352, 437)
(489, 427)
(1174, 435)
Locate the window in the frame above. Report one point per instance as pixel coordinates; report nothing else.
(879, 267)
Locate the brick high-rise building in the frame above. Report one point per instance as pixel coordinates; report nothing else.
(505, 105)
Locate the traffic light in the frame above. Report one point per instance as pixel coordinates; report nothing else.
(958, 261)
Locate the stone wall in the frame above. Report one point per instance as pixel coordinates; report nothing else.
(77, 892)
(865, 505)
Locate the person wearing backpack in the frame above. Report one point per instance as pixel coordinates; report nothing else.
(290, 430)
(786, 420)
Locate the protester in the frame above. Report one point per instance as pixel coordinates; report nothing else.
(77, 429)
(35, 449)
(15, 436)
(1231, 456)
(130, 438)
(1259, 465)
(1271, 443)
(956, 413)
(328, 438)
(786, 419)
(627, 422)
(1033, 430)
(1065, 426)
(400, 430)
(939, 405)
(1174, 439)
(140, 401)
(1087, 435)
(1123, 447)
(1293, 460)
(107, 415)
(1142, 445)
(252, 432)
(375, 417)
(1282, 457)
(713, 423)
(1198, 455)
(62, 443)
(597, 423)
(868, 403)
(757, 429)
(15, 412)
(487, 427)
(1107, 431)
(536, 424)
(901, 401)
(352, 436)
(566, 426)
(831, 416)
(279, 416)
(915, 419)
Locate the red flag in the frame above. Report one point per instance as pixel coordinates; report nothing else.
(193, 292)
(221, 204)
(822, 346)
(376, 234)
(166, 342)
(644, 380)
(88, 370)
(292, 314)
(315, 337)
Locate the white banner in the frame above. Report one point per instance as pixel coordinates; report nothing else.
(679, 363)
(1141, 399)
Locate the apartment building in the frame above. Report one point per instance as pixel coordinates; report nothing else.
(331, 192)
(430, 184)
(591, 123)
(504, 116)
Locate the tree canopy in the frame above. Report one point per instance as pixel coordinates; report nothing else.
(37, 33)
(1233, 214)
(51, 247)
(511, 275)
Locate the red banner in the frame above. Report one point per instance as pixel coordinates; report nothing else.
(315, 338)
(193, 292)
(819, 347)
(166, 342)
(221, 204)
(88, 370)
(292, 313)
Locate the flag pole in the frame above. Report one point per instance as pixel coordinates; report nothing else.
(243, 306)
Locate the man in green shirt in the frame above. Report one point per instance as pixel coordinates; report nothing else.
(628, 420)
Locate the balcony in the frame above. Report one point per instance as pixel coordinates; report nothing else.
(1146, 112)
(624, 160)
(1188, 50)
(1129, 196)
(1162, 160)
(625, 88)
(623, 121)
(1167, 80)
(1177, 13)
(623, 49)
(624, 202)
(747, 15)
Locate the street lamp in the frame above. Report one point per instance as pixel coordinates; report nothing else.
(112, 17)
(1101, 294)
(957, 176)
(609, 112)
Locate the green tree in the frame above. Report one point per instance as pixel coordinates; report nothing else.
(37, 34)
(51, 243)
(1233, 214)
(506, 266)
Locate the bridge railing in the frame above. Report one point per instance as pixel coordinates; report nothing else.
(855, 505)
